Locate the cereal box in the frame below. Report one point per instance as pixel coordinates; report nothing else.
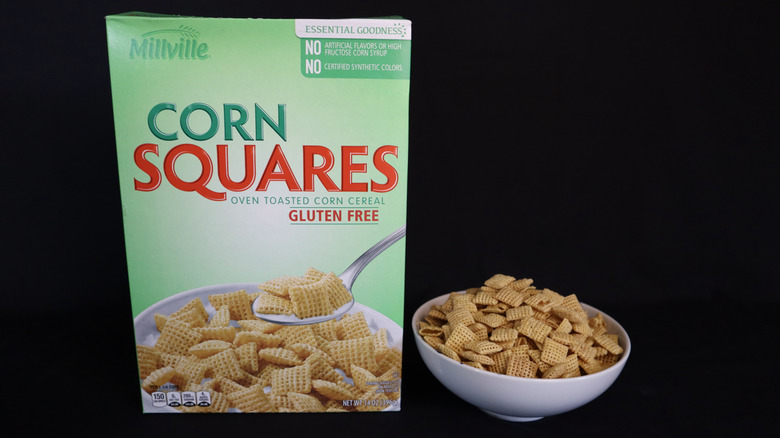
(263, 178)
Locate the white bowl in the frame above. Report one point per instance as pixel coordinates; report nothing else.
(146, 330)
(517, 398)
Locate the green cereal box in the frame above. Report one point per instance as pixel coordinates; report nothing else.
(263, 177)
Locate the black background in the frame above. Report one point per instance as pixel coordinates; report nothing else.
(622, 151)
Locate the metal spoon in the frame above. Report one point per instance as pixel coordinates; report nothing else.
(347, 277)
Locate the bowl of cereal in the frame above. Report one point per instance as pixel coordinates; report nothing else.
(520, 353)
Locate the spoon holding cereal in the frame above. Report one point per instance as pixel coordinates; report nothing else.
(316, 296)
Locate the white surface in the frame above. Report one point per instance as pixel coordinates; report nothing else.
(517, 398)
(146, 331)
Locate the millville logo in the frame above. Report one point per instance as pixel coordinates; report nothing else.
(163, 44)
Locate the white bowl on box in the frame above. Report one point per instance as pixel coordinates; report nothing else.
(517, 398)
(146, 329)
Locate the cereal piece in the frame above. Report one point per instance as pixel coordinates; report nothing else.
(517, 313)
(338, 294)
(498, 308)
(446, 331)
(504, 334)
(157, 378)
(322, 369)
(251, 399)
(148, 359)
(500, 360)
(510, 296)
(361, 378)
(296, 334)
(192, 317)
(177, 337)
(555, 371)
(476, 365)
(359, 352)
(170, 360)
(534, 329)
(598, 324)
(584, 350)
(568, 314)
(590, 367)
(536, 356)
(273, 305)
(305, 403)
(227, 334)
(482, 347)
(280, 356)
(335, 390)
(194, 310)
(355, 326)
(266, 370)
(248, 357)
(221, 318)
(499, 281)
(280, 286)
(429, 330)
(326, 330)
(572, 303)
(476, 357)
(159, 321)
(520, 366)
(258, 325)
(225, 364)
(460, 317)
(563, 338)
(522, 284)
(564, 326)
(262, 340)
(449, 352)
(305, 350)
(292, 379)
(310, 300)
(608, 360)
(491, 319)
(554, 352)
(390, 365)
(209, 348)
(581, 327)
(605, 341)
(381, 345)
(480, 330)
(433, 341)
(238, 303)
(572, 365)
(545, 300)
(437, 314)
(460, 336)
(485, 298)
(190, 371)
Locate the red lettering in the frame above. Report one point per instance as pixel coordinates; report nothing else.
(155, 177)
(285, 173)
(363, 215)
(386, 169)
(249, 169)
(348, 168)
(310, 171)
(199, 185)
(318, 161)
